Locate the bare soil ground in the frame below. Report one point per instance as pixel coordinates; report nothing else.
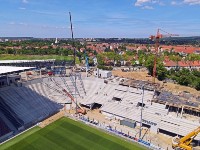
(174, 88)
(52, 119)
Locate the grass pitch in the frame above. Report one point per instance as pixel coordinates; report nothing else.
(37, 57)
(67, 134)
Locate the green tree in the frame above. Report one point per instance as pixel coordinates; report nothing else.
(95, 53)
(197, 84)
(100, 59)
(107, 49)
(131, 53)
(149, 63)
(161, 72)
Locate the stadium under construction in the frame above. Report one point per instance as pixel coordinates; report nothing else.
(27, 98)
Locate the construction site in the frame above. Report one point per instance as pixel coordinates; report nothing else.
(153, 113)
(119, 102)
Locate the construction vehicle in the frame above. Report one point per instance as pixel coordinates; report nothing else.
(184, 143)
(58, 88)
(80, 109)
(157, 38)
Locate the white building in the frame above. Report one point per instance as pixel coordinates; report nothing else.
(102, 73)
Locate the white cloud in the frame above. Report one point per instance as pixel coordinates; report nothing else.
(147, 7)
(155, 1)
(189, 2)
(192, 2)
(45, 12)
(22, 8)
(24, 24)
(18, 23)
(24, 1)
(161, 3)
(173, 3)
(145, 3)
(141, 2)
(11, 23)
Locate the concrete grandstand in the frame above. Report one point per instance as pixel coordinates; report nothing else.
(20, 106)
(123, 102)
(37, 99)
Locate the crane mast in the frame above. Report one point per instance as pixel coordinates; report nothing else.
(72, 34)
(157, 38)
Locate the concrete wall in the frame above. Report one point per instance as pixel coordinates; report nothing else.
(4, 81)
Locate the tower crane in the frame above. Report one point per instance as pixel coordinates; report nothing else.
(184, 143)
(157, 38)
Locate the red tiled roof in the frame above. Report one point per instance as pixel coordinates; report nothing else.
(181, 48)
(194, 63)
(183, 63)
(170, 63)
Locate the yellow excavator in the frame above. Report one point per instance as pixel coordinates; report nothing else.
(184, 143)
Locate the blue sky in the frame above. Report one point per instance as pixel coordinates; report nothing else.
(99, 18)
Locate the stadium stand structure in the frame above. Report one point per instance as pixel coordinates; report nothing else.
(35, 63)
(24, 107)
(36, 100)
(28, 105)
(124, 102)
(77, 82)
(4, 130)
(119, 101)
(10, 114)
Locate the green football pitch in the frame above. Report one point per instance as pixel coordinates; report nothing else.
(67, 134)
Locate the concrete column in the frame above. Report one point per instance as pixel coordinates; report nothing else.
(182, 112)
(26, 76)
(20, 78)
(97, 72)
(40, 73)
(168, 110)
(7, 80)
(177, 112)
(158, 131)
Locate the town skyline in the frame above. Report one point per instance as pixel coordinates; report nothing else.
(98, 19)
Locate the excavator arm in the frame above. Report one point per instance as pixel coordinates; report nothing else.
(81, 110)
